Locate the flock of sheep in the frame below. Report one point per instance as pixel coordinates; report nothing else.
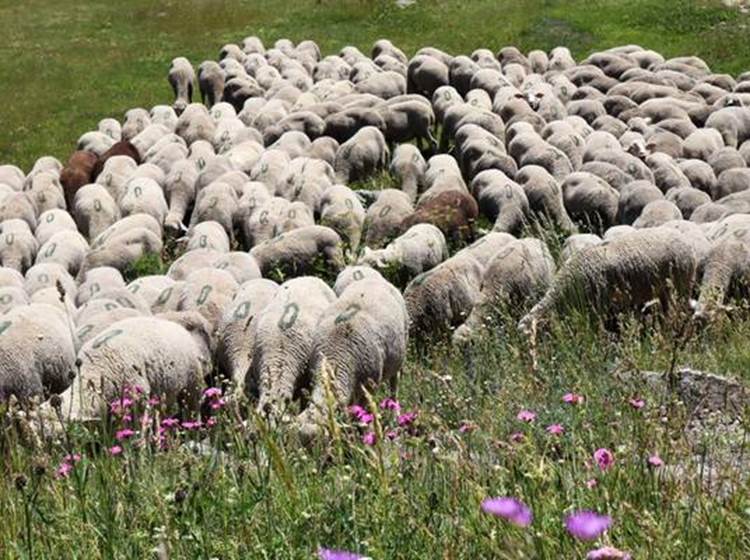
(641, 162)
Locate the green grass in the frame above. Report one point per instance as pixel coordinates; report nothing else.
(258, 494)
(67, 64)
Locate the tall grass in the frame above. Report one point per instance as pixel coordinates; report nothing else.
(240, 489)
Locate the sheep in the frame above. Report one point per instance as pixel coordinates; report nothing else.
(123, 249)
(619, 275)
(211, 82)
(94, 210)
(45, 190)
(731, 181)
(282, 349)
(182, 79)
(353, 273)
(341, 210)
(296, 252)
(501, 200)
(384, 217)
(49, 275)
(94, 142)
(208, 291)
(98, 280)
(192, 261)
(544, 196)
(361, 341)
(12, 176)
(12, 297)
(67, 248)
(37, 352)
(240, 265)
(18, 246)
(361, 155)
(420, 248)
(454, 212)
(19, 205)
(235, 335)
(272, 217)
(195, 124)
(442, 297)
(733, 124)
(407, 119)
(727, 265)
(216, 202)
(306, 180)
(408, 166)
(143, 196)
(633, 199)
(77, 173)
(271, 169)
(156, 355)
(324, 149)
(52, 222)
(590, 199)
(10, 277)
(687, 200)
(515, 276)
(657, 213)
(164, 115)
(425, 74)
(209, 235)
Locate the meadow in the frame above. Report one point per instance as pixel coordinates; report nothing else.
(580, 430)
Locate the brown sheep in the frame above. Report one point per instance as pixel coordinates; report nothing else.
(77, 173)
(454, 212)
(122, 148)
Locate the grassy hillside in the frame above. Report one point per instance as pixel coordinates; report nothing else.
(237, 490)
(65, 64)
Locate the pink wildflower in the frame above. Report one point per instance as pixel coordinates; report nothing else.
(170, 423)
(517, 437)
(120, 406)
(391, 434)
(655, 461)
(192, 424)
(356, 410)
(366, 418)
(573, 398)
(604, 458)
(526, 416)
(512, 509)
(153, 401)
(637, 403)
(211, 422)
(63, 470)
(467, 427)
(607, 553)
(218, 404)
(555, 429)
(74, 458)
(115, 450)
(587, 525)
(406, 419)
(591, 483)
(124, 434)
(330, 554)
(369, 438)
(212, 393)
(390, 404)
